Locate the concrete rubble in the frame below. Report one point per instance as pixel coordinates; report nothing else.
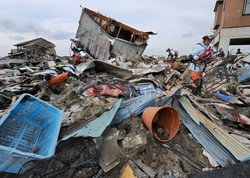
(102, 132)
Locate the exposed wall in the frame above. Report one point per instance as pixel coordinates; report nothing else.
(96, 41)
(232, 24)
(234, 17)
(229, 15)
(218, 16)
(232, 33)
(91, 36)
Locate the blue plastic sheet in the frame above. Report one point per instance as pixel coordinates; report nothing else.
(28, 131)
(134, 106)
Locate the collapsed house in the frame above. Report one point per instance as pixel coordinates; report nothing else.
(103, 37)
(33, 48)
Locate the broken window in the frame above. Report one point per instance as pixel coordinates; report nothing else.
(124, 34)
(246, 9)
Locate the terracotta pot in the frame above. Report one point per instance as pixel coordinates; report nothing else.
(166, 117)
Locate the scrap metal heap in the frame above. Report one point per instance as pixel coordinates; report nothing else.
(102, 132)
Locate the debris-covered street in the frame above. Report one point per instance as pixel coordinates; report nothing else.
(109, 110)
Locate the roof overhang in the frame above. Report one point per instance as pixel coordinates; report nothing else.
(126, 27)
(217, 3)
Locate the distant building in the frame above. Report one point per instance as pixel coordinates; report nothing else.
(33, 48)
(232, 23)
(103, 37)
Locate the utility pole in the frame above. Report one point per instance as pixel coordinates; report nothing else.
(36, 34)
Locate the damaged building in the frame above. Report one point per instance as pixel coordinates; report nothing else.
(33, 48)
(103, 37)
(232, 23)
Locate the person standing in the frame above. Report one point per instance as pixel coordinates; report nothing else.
(238, 51)
(200, 53)
(172, 54)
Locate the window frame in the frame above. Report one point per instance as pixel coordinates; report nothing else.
(244, 8)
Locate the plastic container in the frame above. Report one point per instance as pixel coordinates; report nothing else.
(224, 96)
(227, 98)
(166, 117)
(28, 131)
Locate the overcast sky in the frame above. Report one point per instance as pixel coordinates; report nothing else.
(180, 24)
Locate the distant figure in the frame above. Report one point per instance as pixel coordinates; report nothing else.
(172, 54)
(76, 47)
(238, 51)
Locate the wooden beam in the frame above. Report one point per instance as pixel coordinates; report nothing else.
(119, 32)
(131, 37)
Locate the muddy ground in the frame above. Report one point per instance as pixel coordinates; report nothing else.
(158, 157)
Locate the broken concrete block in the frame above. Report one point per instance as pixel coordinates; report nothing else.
(134, 141)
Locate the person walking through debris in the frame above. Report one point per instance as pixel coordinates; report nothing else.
(58, 74)
(172, 54)
(76, 47)
(202, 54)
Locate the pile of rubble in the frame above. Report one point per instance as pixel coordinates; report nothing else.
(116, 113)
(134, 118)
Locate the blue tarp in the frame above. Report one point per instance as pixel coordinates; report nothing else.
(134, 106)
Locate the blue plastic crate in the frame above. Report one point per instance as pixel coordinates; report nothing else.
(28, 131)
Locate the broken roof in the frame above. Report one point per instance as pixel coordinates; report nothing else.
(126, 27)
(34, 41)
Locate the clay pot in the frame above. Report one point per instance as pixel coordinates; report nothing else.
(165, 117)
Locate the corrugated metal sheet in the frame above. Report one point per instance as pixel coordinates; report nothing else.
(96, 41)
(202, 135)
(241, 152)
(101, 66)
(128, 50)
(97, 126)
(93, 37)
(134, 106)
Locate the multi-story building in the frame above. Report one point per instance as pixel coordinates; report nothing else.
(232, 23)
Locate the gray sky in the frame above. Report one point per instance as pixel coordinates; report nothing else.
(180, 24)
